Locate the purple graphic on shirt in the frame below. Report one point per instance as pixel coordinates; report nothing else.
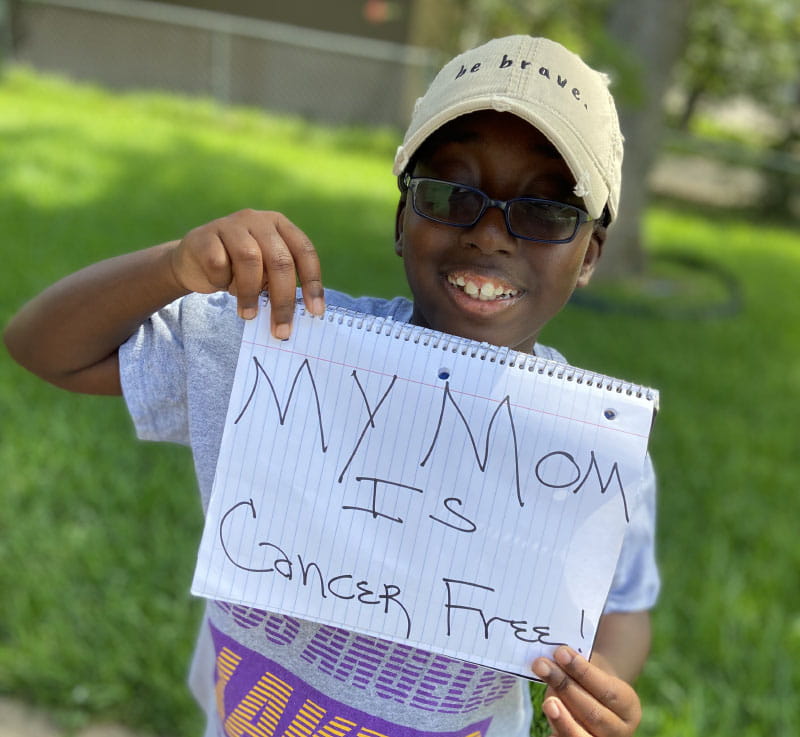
(399, 673)
(404, 674)
(256, 697)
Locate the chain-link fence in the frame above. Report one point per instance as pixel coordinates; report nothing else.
(129, 44)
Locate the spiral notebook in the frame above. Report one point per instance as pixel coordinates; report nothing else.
(414, 486)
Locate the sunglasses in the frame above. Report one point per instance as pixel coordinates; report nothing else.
(529, 218)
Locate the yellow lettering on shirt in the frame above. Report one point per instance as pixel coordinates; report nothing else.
(258, 713)
(227, 662)
(306, 723)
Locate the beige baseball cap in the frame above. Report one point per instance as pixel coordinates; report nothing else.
(545, 84)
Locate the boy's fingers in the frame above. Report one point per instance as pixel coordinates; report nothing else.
(250, 250)
(247, 270)
(577, 707)
(562, 722)
(200, 263)
(602, 704)
(289, 255)
(280, 274)
(613, 692)
(307, 265)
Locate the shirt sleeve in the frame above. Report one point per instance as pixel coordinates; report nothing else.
(636, 581)
(153, 376)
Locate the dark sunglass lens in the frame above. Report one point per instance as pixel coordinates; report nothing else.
(542, 220)
(447, 202)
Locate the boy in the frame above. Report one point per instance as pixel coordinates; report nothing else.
(520, 119)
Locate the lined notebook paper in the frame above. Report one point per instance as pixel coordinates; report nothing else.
(397, 482)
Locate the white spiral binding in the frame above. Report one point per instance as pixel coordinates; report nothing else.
(502, 355)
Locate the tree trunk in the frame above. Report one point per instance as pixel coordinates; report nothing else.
(6, 33)
(653, 32)
(781, 197)
(690, 107)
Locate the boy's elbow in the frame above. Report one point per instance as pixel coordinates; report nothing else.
(30, 352)
(26, 353)
(17, 344)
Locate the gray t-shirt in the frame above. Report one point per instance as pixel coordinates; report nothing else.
(259, 673)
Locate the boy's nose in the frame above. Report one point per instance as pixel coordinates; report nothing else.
(490, 233)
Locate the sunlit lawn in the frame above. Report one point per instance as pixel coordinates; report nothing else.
(98, 531)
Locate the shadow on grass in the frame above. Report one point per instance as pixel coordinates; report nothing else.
(680, 283)
(676, 286)
(125, 198)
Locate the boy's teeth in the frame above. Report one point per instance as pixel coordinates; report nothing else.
(485, 292)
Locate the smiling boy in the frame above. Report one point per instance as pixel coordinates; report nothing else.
(509, 174)
(480, 281)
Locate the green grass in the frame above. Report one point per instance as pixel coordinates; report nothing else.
(98, 532)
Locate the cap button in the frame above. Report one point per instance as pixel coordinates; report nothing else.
(501, 105)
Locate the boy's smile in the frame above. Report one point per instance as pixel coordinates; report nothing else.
(483, 294)
(481, 282)
(486, 290)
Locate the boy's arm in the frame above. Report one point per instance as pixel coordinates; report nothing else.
(69, 335)
(622, 643)
(595, 698)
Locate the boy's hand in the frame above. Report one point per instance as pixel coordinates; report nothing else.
(582, 699)
(247, 252)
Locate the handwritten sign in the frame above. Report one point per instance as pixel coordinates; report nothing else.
(410, 485)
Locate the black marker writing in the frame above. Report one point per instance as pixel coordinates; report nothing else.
(471, 526)
(481, 462)
(343, 586)
(283, 411)
(520, 627)
(370, 418)
(604, 485)
(613, 473)
(373, 510)
(248, 503)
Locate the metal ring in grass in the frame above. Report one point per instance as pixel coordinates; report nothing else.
(644, 304)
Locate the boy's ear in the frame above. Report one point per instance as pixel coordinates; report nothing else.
(592, 255)
(398, 226)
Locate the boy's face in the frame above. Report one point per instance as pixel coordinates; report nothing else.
(505, 157)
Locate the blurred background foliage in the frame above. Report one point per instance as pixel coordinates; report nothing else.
(672, 64)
